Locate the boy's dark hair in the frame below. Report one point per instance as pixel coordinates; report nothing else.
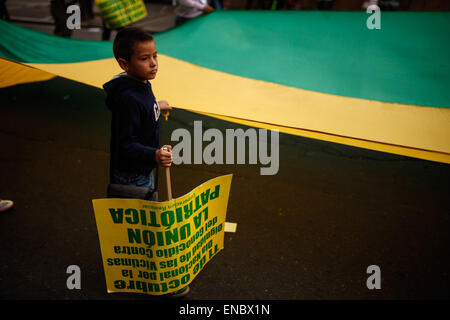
(126, 39)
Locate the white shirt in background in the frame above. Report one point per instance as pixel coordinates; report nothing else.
(190, 8)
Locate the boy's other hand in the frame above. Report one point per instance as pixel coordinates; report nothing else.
(165, 108)
(164, 156)
(208, 9)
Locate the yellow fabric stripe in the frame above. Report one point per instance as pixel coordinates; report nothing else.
(93, 73)
(400, 150)
(14, 73)
(203, 90)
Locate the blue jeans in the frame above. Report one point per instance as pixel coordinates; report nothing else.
(138, 180)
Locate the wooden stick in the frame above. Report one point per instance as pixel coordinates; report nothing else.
(169, 186)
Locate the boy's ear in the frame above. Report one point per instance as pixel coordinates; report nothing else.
(123, 64)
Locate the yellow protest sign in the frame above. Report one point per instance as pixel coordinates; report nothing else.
(120, 13)
(160, 247)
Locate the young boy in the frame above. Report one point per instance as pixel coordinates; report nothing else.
(135, 127)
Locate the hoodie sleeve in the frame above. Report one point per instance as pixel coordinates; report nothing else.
(129, 119)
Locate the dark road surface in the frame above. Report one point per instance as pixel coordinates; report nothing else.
(309, 232)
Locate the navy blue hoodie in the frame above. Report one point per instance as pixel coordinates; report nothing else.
(135, 125)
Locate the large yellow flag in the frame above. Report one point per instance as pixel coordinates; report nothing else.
(160, 247)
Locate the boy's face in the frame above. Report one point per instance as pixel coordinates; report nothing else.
(143, 64)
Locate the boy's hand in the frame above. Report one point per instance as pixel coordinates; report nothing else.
(164, 107)
(208, 9)
(164, 156)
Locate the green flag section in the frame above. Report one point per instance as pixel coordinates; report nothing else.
(24, 45)
(406, 61)
(323, 75)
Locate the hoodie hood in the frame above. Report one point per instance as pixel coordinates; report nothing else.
(118, 84)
